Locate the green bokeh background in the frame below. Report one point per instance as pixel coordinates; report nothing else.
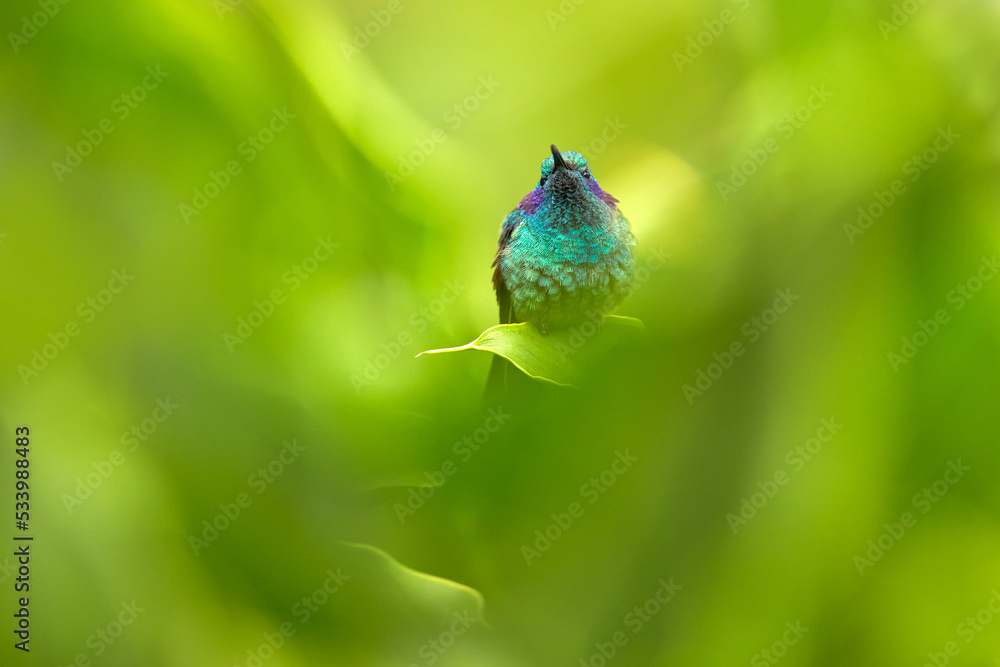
(566, 74)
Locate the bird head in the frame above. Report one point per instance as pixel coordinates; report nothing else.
(567, 184)
(566, 180)
(564, 171)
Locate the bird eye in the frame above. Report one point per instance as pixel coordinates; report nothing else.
(541, 183)
(586, 174)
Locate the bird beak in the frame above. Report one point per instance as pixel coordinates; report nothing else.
(558, 162)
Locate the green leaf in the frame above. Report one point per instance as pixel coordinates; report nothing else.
(550, 357)
(433, 593)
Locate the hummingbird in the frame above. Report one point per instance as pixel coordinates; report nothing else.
(565, 252)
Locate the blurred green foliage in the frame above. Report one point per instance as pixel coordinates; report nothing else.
(304, 208)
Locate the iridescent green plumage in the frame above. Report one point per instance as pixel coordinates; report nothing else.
(565, 253)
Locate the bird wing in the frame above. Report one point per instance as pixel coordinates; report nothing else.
(496, 382)
(510, 223)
